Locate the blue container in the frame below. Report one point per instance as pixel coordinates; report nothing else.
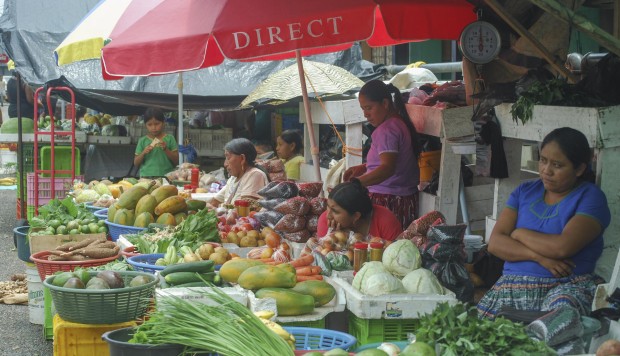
(146, 262)
(320, 339)
(119, 345)
(101, 214)
(116, 230)
(92, 208)
(20, 236)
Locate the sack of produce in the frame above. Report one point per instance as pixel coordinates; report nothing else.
(318, 205)
(291, 223)
(295, 205)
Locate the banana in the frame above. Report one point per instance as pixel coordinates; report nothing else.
(264, 316)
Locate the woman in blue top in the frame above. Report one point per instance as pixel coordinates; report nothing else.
(550, 234)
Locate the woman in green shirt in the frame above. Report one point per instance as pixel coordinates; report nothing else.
(289, 148)
(157, 152)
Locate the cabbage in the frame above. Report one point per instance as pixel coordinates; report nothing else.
(367, 270)
(382, 283)
(101, 189)
(110, 130)
(87, 196)
(9, 126)
(401, 257)
(422, 281)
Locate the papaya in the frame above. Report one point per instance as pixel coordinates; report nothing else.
(129, 199)
(126, 185)
(144, 219)
(166, 219)
(266, 276)
(172, 205)
(115, 190)
(112, 211)
(164, 192)
(146, 204)
(179, 217)
(231, 270)
(146, 185)
(321, 291)
(288, 302)
(193, 204)
(124, 217)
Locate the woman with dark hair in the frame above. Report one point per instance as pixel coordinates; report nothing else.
(289, 147)
(157, 152)
(550, 234)
(245, 178)
(391, 172)
(349, 207)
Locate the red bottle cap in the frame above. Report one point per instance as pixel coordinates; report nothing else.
(376, 245)
(360, 246)
(242, 203)
(187, 187)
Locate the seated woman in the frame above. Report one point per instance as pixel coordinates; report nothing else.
(349, 207)
(550, 234)
(245, 179)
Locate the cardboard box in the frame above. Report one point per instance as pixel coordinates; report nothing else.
(40, 243)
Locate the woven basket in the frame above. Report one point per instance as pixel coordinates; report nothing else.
(47, 268)
(117, 230)
(103, 306)
(308, 339)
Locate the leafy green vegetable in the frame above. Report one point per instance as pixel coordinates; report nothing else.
(459, 331)
(63, 210)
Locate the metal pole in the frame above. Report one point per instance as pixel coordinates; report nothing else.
(314, 150)
(180, 118)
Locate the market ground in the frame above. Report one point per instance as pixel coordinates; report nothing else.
(18, 337)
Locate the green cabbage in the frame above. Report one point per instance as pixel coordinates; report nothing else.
(401, 257)
(382, 283)
(9, 126)
(422, 281)
(367, 270)
(87, 196)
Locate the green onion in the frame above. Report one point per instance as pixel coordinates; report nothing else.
(227, 328)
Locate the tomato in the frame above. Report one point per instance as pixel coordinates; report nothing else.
(247, 227)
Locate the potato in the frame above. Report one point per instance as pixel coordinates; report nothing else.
(248, 241)
(221, 250)
(608, 348)
(255, 234)
(218, 258)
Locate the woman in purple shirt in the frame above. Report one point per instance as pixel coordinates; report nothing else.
(391, 171)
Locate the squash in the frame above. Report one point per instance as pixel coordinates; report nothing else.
(231, 270)
(172, 205)
(288, 302)
(129, 199)
(146, 204)
(321, 291)
(264, 276)
(144, 219)
(163, 192)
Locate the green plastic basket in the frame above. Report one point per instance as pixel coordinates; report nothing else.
(103, 306)
(319, 324)
(368, 331)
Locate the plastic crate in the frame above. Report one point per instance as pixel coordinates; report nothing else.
(62, 160)
(49, 313)
(73, 339)
(28, 152)
(62, 186)
(368, 331)
(29, 211)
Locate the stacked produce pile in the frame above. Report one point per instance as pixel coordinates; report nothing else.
(64, 217)
(292, 209)
(14, 291)
(100, 193)
(399, 271)
(83, 279)
(92, 248)
(274, 168)
(146, 203)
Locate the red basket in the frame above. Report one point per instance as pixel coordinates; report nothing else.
(46, 267)
(129, 252)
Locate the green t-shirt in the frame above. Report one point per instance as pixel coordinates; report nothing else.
(292, 167)
(156, 163)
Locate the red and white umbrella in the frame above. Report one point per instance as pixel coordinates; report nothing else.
(176, 36)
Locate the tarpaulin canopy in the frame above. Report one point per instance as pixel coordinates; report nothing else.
(30, 37)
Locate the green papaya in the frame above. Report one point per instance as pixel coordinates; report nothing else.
(144, 219)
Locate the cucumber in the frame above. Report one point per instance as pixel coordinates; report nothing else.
(197, 266)
(177, 278)
(192, 284)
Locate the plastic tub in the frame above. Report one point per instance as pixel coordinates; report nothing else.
(117, 339)
(101, 214)
(117, 230)
(20, 235)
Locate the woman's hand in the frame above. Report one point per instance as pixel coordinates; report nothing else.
(559, 268)
(332, 225)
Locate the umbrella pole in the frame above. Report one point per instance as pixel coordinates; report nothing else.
(314, 150)
(180, 116)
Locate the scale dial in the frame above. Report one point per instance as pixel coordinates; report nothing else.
(480, 42)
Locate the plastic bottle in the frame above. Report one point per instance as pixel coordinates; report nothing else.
(376, 251)
(242, 207)
(360, 255)
(195, 177)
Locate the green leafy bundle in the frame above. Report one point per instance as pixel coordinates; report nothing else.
(459, 331)
(551, 92)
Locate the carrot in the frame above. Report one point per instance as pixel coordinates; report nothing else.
(316, 270)
(314, 277)
(304, 271)
(302, 261)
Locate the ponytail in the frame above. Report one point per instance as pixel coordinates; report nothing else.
(400, 107)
